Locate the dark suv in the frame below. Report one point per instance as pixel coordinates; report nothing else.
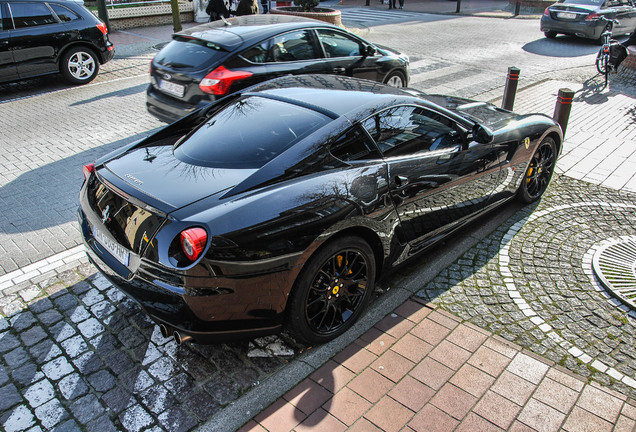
(45, 37)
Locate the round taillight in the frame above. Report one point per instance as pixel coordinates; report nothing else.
(193, 242)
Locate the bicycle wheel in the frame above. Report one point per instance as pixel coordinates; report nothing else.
(601, 62)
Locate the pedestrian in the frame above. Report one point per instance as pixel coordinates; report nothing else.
(217, 9)
(246, 7)
(265, 6)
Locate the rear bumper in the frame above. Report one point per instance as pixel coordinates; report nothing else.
(585, 29)
(168, 109)
(206, 313)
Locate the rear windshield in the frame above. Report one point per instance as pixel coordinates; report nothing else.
(188, 53)
(584, 2)
(248, 133)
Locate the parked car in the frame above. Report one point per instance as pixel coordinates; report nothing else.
(581, 18)
(280, 205)
(47, 37)
(211, 60)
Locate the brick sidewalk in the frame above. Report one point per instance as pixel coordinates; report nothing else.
(422, 369)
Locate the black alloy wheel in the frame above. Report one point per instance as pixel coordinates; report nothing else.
(332, 290)
(539, 171)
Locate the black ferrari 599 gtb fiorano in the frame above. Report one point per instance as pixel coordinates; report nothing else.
(280, 205)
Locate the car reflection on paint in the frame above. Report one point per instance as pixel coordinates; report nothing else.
(279, 206)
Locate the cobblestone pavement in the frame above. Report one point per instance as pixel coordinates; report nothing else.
(76, 354)
(531, 283)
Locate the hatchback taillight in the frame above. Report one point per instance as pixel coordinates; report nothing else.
(102, 27)
(193, 242)
(220, 79)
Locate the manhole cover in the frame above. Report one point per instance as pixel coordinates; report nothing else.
(615, 266)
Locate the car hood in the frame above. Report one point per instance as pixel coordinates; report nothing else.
(168, 182)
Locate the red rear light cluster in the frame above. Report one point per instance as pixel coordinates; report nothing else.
(220, 79)
(102, 27)
(592, 17)
(546, 12)
(193, 242)
(88, 170)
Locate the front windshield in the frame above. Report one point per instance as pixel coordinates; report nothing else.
(248, 133)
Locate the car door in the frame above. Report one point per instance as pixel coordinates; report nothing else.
(37, 38)
(293, 52)
(438, 175)
(8, 71)
(346, 55)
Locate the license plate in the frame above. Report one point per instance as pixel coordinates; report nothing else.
(171, 88)
(566, 15)
(115, 249)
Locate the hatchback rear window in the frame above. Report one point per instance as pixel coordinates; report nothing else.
(248, 133)
(188, 53)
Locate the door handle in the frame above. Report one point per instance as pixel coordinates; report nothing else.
(4, 42)
(338, 70)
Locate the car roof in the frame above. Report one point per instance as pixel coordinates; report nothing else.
(232, 32)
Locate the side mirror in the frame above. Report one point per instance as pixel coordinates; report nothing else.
(369, 51)
(481, 134)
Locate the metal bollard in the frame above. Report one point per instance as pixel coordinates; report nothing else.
(563, 107)
(511, 88)
(517, 7)
(459, 6)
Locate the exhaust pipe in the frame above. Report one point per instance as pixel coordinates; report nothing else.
(165, 330)
(180, 339)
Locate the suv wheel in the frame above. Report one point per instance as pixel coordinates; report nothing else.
(79, 65)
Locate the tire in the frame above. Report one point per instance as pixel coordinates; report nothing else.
(332, 291)
(539, 172)
(550, 34)
(601, 62)
(395, 79)
(79, 65)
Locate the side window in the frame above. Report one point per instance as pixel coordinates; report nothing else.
(257, 53)
(63, 13)
(408, 130)
(292, 46)
(338, 44)
(354, 145)
(31, 14)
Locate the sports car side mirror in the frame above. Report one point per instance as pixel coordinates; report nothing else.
(481, 134)
(369, 51)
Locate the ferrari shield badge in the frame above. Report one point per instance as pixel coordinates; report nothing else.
(526, 141)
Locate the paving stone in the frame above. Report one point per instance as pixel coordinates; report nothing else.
(18, 419)
(16, 358)
(87, 408)
(62, 331)
(27, 374)
(118, 399)
(102, 424)
(177, 420)
(22, 321)
(45, 351)
(72, 386)
(157, 399)
(90, 328)
(88, 363)
(33, 335)
(67, 426)
(10, 397)
(74, 346)
(51, 413)
(39, 393)
(102, 380)
(57, 368)
(135, 419)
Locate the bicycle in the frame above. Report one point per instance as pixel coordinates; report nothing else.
(603, 64)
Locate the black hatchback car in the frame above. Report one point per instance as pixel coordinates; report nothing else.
(46, 37)
(581, 18)
(207, 62)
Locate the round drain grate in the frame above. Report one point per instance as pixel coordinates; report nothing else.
(615, 266)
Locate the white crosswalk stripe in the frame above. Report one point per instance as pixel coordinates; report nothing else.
(361, 16)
